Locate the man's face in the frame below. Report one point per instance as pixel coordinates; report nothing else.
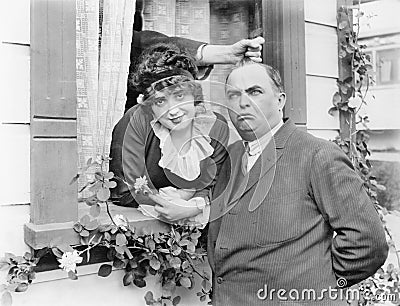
(253, 102)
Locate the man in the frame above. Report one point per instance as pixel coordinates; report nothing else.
(204, 54)
(290, 219)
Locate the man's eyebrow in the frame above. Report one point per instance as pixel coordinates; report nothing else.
(251, 88)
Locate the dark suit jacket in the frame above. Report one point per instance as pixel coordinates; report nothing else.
(276, 225)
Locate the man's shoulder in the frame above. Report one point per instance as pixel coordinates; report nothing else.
(310, 142)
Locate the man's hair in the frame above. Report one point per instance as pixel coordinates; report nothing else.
(273, 74)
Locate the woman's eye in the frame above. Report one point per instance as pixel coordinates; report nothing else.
(179, 95)
(160, 102)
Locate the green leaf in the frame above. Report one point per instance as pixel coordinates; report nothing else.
(95, 210)
(91, 200)
(206, 285)
(109, 175)
(155, 264)
(168, 288)
(119, 264)
(22, 287)
(185, 282)
(74, 179)
(336, 99)
(104, 270)
(57, 252)
(72, 275)
(343, 24)
(112, 184)
(151, 244)
(84, 233)
(103, 194)
(175, 262)
(176, 300)
(120, 240)
(77, 227)
(149, 298)
(185, 265)
(92, 225)
(120, 249)
(6, 299)
(176, 250)
(128, 279)
(139, 282)
(332, 110)
(85, 220)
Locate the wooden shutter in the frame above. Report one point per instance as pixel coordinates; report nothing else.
(53, 121)
(284, 49)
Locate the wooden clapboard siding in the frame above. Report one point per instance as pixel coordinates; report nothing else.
(322, 12)
(14, 157)
(285, 49)
(14, 114)
(319, 99)
(321, 50)
(53, 115)
(15, 90)
(322, 67)
(15, 21)
(12, 220)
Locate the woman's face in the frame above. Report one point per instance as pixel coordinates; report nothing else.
(174, 108)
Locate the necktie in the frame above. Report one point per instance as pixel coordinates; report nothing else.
(245, 158)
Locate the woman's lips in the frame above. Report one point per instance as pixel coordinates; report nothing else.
(177, 119)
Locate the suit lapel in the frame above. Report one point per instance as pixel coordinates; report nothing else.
(264, 169)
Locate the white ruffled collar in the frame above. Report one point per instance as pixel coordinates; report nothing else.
(187, 165)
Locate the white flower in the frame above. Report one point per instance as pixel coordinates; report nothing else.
(139, 99)
(140, 183)
(355, 102)
(121, 222)
(69, 260)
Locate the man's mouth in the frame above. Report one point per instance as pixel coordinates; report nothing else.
(245, 116)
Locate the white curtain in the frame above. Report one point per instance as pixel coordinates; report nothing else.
(104, 34)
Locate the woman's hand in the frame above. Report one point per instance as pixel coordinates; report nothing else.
(173, 209)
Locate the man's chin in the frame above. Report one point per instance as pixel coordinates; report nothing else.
(247, 134)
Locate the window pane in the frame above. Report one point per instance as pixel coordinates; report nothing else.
(388, 66)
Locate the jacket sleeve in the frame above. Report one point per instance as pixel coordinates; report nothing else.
(359, 247)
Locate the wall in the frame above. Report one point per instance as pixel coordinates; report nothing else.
(321, 66)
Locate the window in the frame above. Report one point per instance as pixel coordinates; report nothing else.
(388, 66)
(54, 158)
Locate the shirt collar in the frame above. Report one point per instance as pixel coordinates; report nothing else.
(258, 145)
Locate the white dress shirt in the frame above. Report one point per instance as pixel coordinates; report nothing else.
(257, 146)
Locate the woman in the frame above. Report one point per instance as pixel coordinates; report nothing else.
(170, 138)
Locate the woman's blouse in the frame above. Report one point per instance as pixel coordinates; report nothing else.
(140, 146)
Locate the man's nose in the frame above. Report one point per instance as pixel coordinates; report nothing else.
(244, 100)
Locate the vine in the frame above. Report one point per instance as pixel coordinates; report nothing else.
(348, 100)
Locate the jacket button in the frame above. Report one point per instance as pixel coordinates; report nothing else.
(219, 280)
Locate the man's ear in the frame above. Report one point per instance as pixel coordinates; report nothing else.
(281, 100)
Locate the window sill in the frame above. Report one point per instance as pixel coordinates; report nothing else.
(40, 236)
